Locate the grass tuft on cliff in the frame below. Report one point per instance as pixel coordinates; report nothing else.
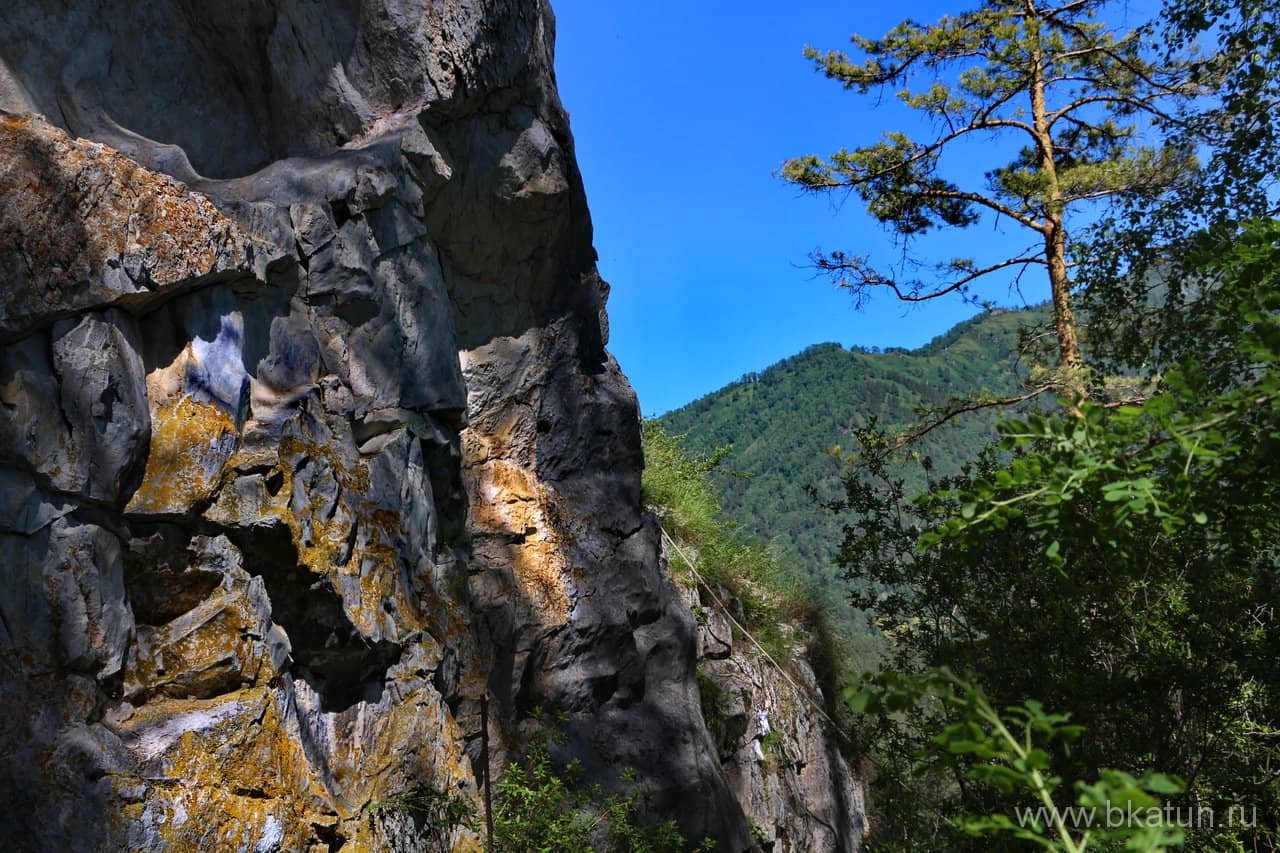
(779, 609)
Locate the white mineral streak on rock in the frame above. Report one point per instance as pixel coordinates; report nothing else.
(272, 835)
(154, 739)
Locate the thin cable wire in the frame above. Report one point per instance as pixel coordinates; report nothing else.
(803, 692)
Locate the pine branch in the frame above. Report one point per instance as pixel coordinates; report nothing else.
(866, 277)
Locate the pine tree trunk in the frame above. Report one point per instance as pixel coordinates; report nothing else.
(1064, 319)
(1055, 235)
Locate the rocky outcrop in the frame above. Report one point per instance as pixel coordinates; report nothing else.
(781, 753)
(309, 437)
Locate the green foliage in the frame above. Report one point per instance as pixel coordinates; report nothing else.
(771, 747)
(1078, 96)
(543, 806)
(779, 608)
(676, 484)
(1116, 561)
(1147, 305)
(1011, 752)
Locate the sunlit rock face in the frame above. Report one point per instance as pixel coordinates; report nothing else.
(308, 434)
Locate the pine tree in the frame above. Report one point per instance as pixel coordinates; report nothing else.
(1078, 94)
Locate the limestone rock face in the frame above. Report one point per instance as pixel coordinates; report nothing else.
(782, 755)
(308, 434)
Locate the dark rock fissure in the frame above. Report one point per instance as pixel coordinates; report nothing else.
(164, 579)
(328, 652)
(161, 577)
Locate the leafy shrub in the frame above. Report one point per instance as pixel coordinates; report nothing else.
(1115, 560)
(1012, 752)
(542, 806)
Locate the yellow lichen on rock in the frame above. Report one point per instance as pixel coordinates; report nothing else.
(91, 227)
(232, 774)
(190, 442)
(210, 650)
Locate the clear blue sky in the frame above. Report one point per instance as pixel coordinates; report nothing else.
(682, 112)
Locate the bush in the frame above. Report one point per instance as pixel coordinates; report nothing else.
(542, 806)
(677, 488)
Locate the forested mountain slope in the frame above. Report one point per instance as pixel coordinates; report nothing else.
(780, 421)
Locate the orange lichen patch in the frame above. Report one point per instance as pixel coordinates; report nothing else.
(414, 739)
(190, 443)
(352, 477)
(240, 763)
(509, 503)
(236, 774)
(77, 214)
(375, 558)
(209, 650)
(339, 531)
(357, 539)
(379, 567)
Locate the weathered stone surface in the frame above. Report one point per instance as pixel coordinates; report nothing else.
(24, 506)
(782, 756)
(309, 438)
(84, 227)
(104, 400)
(216, 646)
(76, 405)
(65, 607)
(34, 435)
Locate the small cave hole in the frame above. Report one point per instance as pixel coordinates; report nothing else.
(329, 652)
(341, 212)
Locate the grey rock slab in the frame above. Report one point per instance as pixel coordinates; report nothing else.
(104, 399)
(34, 433)
(384, 322)
(24, 507)
(65, 607)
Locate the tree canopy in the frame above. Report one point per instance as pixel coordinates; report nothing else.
(1117, 559)
(1074, 92)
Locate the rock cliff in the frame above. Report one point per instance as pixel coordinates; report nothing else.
(308, 433)
(779, 749)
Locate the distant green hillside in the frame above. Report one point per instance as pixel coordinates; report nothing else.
(781, 421)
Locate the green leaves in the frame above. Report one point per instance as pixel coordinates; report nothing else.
(1118, 559)
(543, 806)
(1012, 751)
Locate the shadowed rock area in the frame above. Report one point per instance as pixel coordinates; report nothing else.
(308, 433)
